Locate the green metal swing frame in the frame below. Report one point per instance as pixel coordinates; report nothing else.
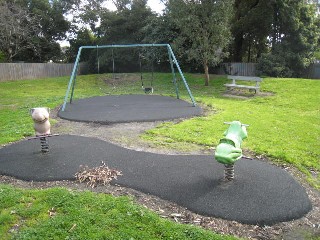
(172, 59)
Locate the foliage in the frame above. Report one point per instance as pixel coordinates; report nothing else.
(294, 39)
(125, 26)
(90, 13)
(2, 57)
(59, 213)
(84, 38)
(273, 65)
(283, 34)
(50, 17)
(31, 29)
(204, 30)
(161, 29)
(198, 29)
(53, 27)
(251, 27)
(18, 28)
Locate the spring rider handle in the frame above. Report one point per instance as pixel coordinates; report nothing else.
(229, 149)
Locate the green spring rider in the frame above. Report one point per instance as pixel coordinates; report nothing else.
(229, 149)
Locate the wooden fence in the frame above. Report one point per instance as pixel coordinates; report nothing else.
(240, 69)
(313, 71)
(19, 71)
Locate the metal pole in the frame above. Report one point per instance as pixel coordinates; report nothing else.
(98, 60)
(73, 85)
(126, 46)
(71, 79)
(113, 74)
(181, 74)
(174, 77)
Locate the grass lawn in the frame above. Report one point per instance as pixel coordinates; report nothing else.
(284, 126)
(58, 213)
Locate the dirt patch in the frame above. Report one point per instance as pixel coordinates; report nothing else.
(245, 94)
(119, 78)
(124, 134)
(127, 135)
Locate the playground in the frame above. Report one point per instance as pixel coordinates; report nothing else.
(189, 180)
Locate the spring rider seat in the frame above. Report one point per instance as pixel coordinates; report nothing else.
(40, 117)
(229, 150)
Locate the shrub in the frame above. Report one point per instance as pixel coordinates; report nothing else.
(2, 57)
(273, 65)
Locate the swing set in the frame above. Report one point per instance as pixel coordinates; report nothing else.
(149, 89)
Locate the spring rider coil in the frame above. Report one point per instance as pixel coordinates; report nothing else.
(229, 149)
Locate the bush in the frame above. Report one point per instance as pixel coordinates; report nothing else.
(273, 65)
(2, 57)
(317, 55)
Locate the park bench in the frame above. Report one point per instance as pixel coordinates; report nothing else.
(234, 79)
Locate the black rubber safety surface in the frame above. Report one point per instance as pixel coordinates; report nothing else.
(128, 108)
(261, 193)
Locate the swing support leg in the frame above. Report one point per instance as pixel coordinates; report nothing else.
(174, 77)
(181, 74)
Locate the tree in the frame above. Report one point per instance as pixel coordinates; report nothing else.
(32, 27)
(18, 30)
(89, 13)
(122, 4)
(294, 38)
(204, 27)
(252, 22)
(84, 38)
(53, 27)
(2, 57)
(160, 29)
(126, 24)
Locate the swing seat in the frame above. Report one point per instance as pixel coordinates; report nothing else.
(148, 90)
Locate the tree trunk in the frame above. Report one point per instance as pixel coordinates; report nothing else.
(9, 55)
(238, 43)
(275, 26)
(206, 72)
(238, 36)
(249, 50)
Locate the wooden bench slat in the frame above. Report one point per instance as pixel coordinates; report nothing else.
(245, 78)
